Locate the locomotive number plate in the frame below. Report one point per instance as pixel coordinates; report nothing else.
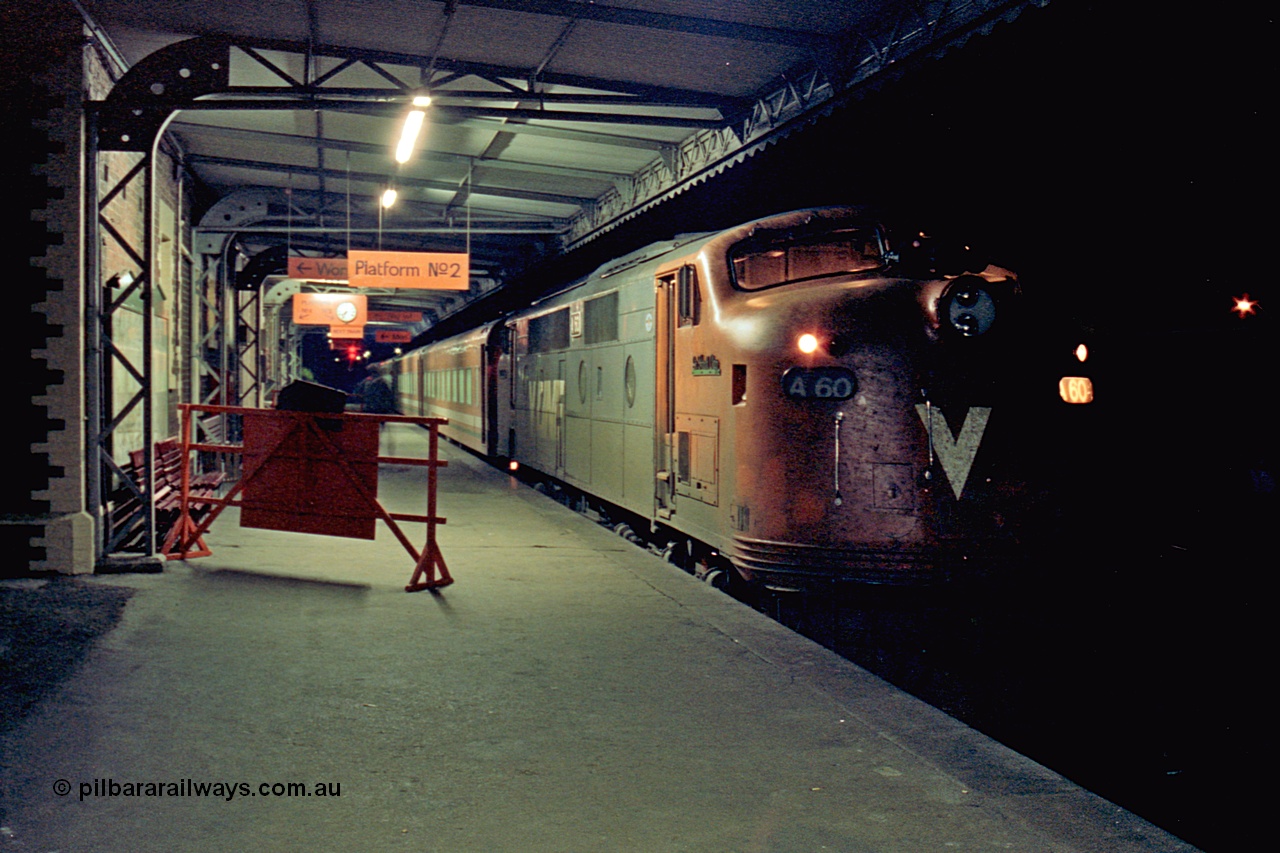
(1075, 389)
(819, 383)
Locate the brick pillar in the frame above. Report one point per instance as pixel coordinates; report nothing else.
(44, 525)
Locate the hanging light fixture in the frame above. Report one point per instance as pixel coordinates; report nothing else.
(389, 197)
(412, 127)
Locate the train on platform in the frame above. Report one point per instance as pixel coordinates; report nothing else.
(792, 402)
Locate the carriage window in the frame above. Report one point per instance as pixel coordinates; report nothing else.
(549, 332)
(600, 319)
(770, 259)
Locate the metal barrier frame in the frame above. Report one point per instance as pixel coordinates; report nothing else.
(185, 540)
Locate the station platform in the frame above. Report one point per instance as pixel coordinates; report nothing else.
(569, 692)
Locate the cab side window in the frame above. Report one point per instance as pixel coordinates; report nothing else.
(689, 297)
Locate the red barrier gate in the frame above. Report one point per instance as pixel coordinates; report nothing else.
(292, 463)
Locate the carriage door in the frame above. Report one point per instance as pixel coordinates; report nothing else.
(664, 422)
(560, 422)
(676, 305)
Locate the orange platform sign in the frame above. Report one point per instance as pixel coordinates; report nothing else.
(395, 316)
(391, 336)
(318, 269)
(419, 270)
(330, 309)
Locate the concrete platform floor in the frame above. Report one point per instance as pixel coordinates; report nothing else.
(568, 693)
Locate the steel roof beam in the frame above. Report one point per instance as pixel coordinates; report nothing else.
(447, 112)
(305, 210)
(272, 206)
(401, 180)
(441, 97)
(498, 74)
(901, 34)
(295, 140)
(490, 229)
(196, 75)
(660, 21)
(573, 134)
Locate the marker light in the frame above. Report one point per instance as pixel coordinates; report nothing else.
(1082, 353)
(807, 343)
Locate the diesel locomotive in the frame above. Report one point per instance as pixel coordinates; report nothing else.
(793, 401)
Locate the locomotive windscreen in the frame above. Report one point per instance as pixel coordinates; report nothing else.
(772, 258)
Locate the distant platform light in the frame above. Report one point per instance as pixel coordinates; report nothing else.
(1245, 306)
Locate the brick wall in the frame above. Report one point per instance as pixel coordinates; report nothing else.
(47, 70)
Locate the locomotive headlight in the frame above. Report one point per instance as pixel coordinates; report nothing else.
(807, 343)
(968, 308)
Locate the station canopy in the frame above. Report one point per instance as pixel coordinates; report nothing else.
(550, 121)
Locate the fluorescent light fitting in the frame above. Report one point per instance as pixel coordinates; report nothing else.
(409, 135)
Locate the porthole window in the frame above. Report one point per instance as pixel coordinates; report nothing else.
(629, 381)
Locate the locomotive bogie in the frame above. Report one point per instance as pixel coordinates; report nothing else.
(778, 393)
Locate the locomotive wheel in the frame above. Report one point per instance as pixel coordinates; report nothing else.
(679, 553)
(714, 571)
(624, 530)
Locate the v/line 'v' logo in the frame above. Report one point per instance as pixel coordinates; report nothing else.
(956, 454)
